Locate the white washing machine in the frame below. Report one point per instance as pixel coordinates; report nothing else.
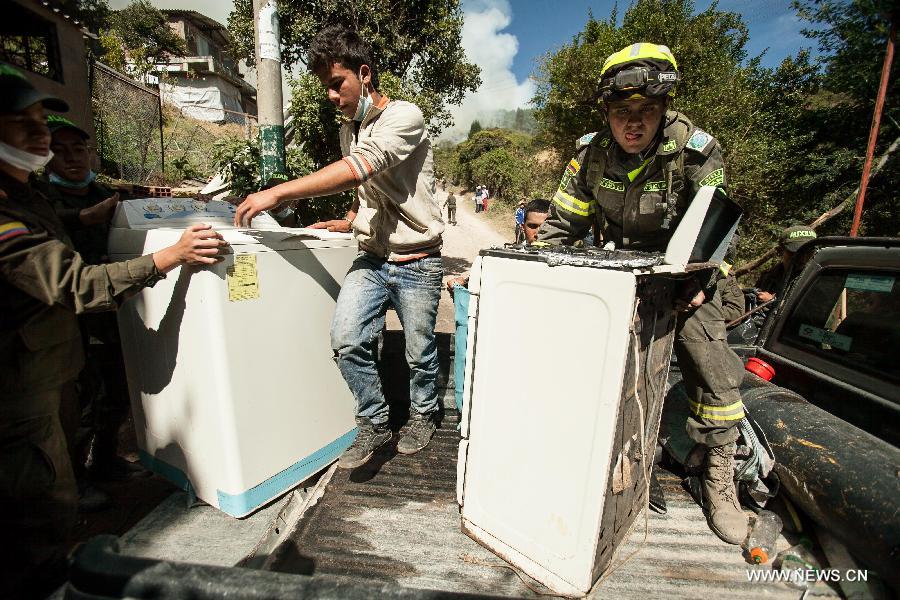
(567, 357)
(235, 394)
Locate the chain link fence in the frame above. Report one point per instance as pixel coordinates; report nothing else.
(128, 123)
(191, 144)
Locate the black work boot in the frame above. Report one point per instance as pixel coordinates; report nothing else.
(116, 469)
(417, 434)
(104, 463)
(369, 438)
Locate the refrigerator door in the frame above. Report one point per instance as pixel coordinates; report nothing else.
(537, 459)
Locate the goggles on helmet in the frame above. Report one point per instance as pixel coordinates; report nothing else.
(648, 81)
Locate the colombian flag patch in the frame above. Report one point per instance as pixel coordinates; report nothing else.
(12, 229)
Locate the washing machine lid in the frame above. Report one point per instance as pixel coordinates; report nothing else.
(178, 213)
(591, 257)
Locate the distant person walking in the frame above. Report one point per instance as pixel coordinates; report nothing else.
(520, 221)
(479, 199)
(450, 203)
(485, 198)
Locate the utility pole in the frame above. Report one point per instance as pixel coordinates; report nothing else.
(268, 88)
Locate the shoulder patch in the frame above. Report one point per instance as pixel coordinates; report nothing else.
(571, 171)
(12, 229)
(699, 140)
(585, 140)
(715, 178)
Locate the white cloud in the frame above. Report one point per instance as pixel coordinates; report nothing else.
(493, 51)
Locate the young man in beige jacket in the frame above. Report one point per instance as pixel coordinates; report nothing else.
(397, 220)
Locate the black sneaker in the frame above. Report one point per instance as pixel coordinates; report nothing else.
(418, 433)
(369, 438)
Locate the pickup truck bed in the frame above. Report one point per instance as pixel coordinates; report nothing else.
(394, 524)
(396, 521)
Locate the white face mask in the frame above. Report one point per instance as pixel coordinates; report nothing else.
(365, 101)
(21, 159)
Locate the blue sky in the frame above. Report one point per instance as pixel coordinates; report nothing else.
(540, 26)
(507, 37)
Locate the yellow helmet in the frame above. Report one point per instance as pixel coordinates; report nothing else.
(638, 70)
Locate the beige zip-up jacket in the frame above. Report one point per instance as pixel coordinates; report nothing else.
(390, 154)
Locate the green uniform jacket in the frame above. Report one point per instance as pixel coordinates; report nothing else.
(635, 201)
(43, 284)
(90, 241)
(772, 279)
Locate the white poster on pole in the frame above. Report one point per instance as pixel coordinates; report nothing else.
(269, 45)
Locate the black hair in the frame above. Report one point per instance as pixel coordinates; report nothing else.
(537, 205)
(337, 44)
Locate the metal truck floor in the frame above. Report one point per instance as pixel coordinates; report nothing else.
(395, 520)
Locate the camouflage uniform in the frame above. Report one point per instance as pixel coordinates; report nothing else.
(102, 385)
(636, 202)
(43, 284)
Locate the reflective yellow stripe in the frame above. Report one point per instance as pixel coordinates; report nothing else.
(633, 174)
(739, 405)
(572, 204)
(725, 268)
(732, 412)
(655, 186)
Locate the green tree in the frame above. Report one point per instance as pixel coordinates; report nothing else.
(469, 151)
(852, 38)
(519, 123)
(446, 157)
(416, 41)
(138, 38)
(501, 159)
(504, 172)
(474, 128)
(93, 14)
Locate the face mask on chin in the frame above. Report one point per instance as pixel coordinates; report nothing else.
(72, 185)
(22, 160)
(365, 101)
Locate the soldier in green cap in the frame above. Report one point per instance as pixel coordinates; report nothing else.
(633, 181)
(769, 284)
(85, 208)
(43, 284)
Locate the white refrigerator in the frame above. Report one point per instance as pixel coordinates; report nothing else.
(235, 394)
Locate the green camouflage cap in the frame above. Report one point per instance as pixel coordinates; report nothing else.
(57, 122)
(792, 238)
(17, 93)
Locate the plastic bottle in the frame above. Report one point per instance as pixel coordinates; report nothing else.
(761, 542)
(796, 558)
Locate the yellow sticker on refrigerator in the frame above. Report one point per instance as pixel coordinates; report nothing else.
(243, 279)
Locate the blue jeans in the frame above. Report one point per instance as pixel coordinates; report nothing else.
(413, 288)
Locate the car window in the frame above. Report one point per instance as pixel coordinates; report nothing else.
(851, 317)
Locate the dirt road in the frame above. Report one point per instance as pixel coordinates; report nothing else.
(462, 243)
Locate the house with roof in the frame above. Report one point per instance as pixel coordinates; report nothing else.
(43, 40)
(205, 83)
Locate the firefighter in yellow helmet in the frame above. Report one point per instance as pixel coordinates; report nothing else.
(633, 181)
